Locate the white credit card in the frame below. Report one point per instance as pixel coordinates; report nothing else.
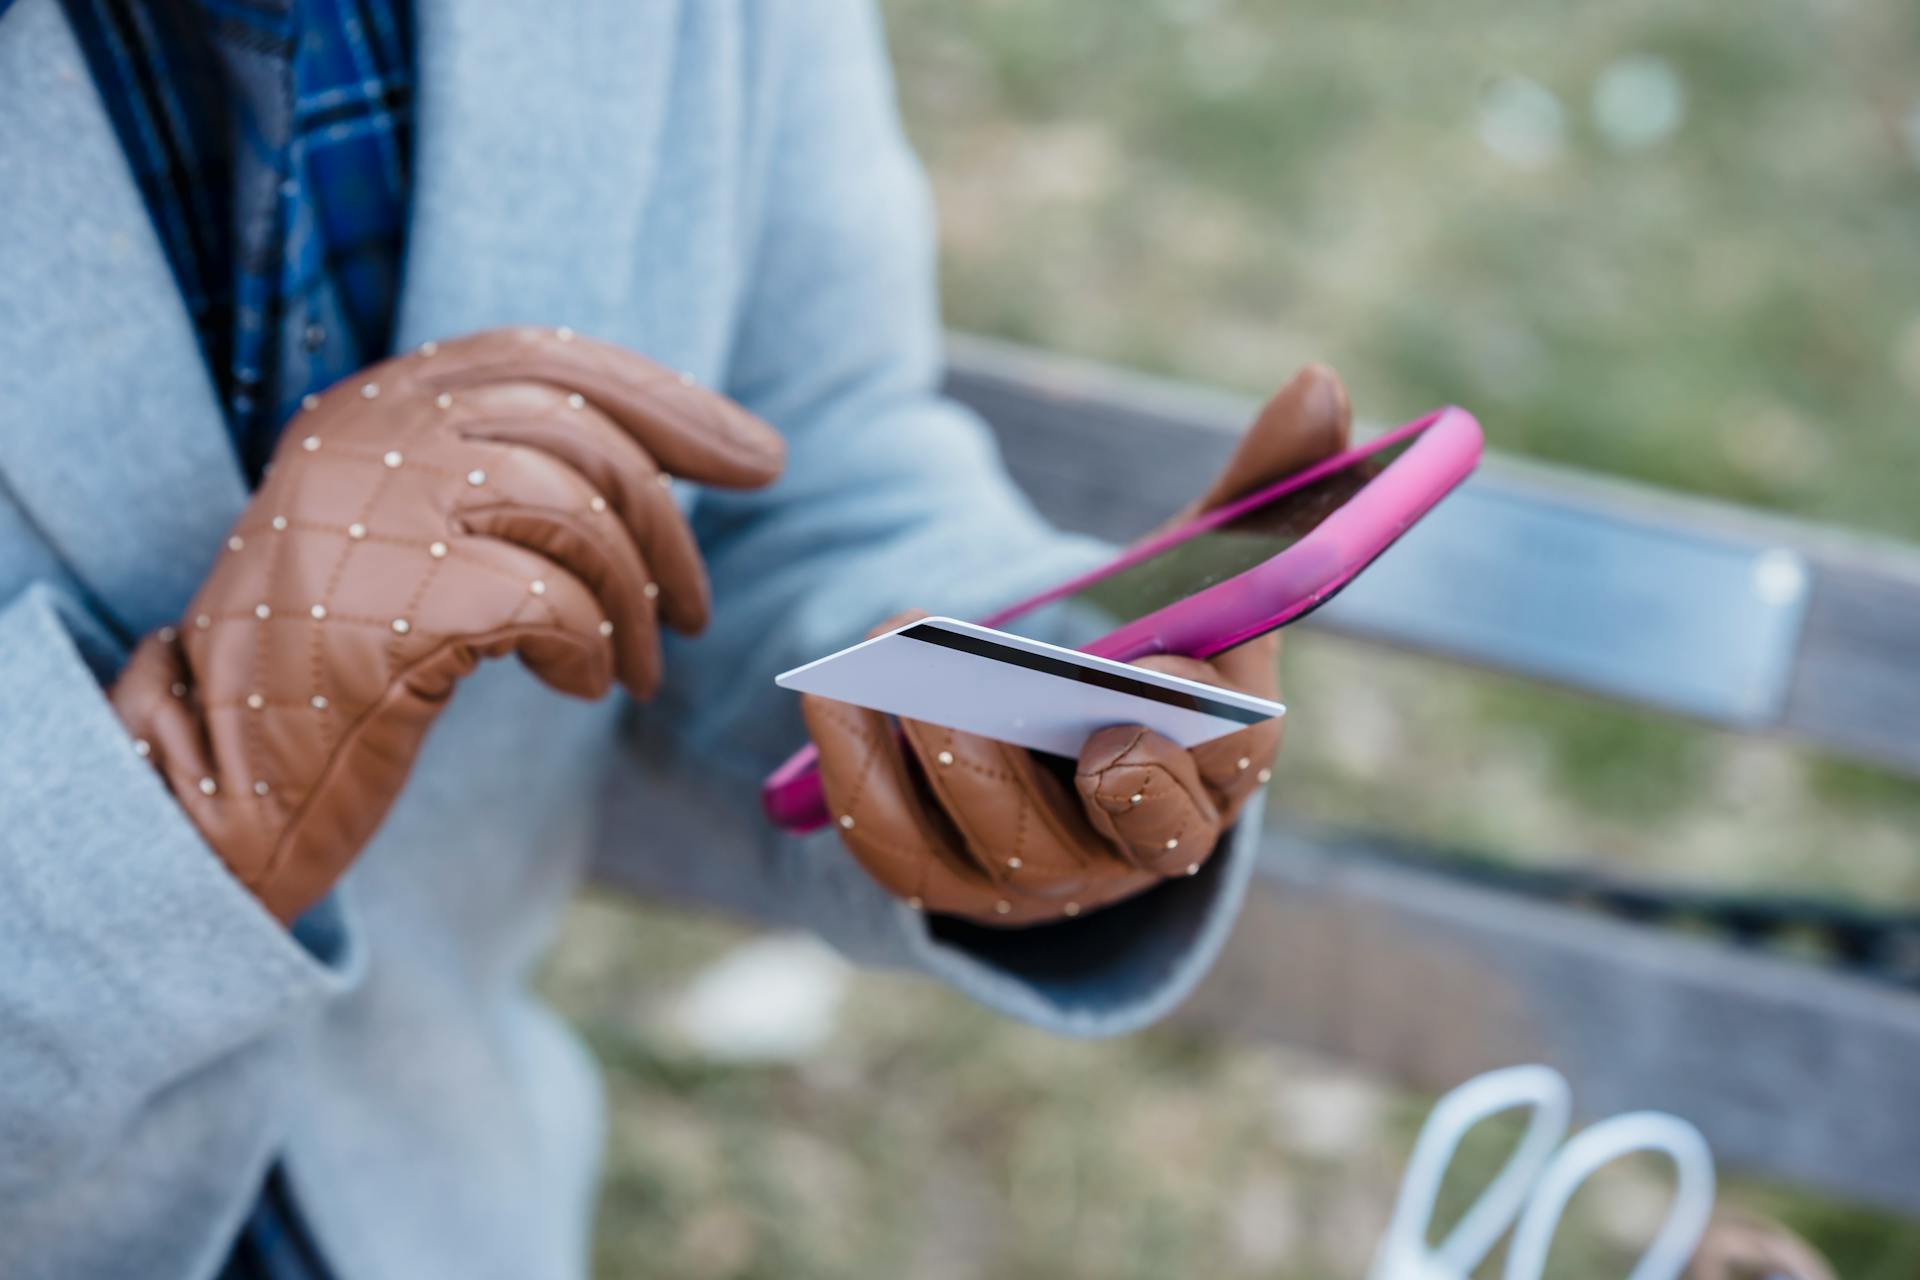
(978, 680)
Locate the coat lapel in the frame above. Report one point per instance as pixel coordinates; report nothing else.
(111, 439)
(535, 136)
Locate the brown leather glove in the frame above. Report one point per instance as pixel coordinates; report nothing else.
(967, 826)
(500, 493)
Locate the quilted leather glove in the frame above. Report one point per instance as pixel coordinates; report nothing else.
(500, 493)
(966, 826)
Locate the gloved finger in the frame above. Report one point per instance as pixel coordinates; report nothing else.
(535, 501)
(689, 430)
(1027, 832)
(1142, 792)
(1037, 882)
(1018, 823)
(1015, 848)
(1253, 667)
(622, 475)
(488, 598)
(897, 621)
(152, 691)
(877, 808)
(1308, 419)
(1236, 766)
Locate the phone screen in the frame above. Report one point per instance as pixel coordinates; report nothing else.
(1199, 562)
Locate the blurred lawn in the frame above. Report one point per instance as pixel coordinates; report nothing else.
(1221, 191)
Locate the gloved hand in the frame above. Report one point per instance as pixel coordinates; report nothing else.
(500, 493)
(967, 826)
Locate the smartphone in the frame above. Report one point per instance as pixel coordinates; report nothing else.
(1229, 575)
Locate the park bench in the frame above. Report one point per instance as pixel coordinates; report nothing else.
(1427, 968)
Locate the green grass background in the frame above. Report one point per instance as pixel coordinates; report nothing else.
(1221, 190)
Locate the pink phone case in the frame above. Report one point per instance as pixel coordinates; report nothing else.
(1269, 595)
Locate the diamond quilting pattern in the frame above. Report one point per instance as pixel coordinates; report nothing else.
(484, 496)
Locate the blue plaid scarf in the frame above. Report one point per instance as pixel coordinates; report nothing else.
(271, 141)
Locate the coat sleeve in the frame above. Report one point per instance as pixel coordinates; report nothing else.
(894, 497)
(144, 993)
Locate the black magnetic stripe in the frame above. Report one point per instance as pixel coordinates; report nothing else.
(1047, 664)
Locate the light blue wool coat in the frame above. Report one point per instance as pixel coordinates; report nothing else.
(719, 183)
